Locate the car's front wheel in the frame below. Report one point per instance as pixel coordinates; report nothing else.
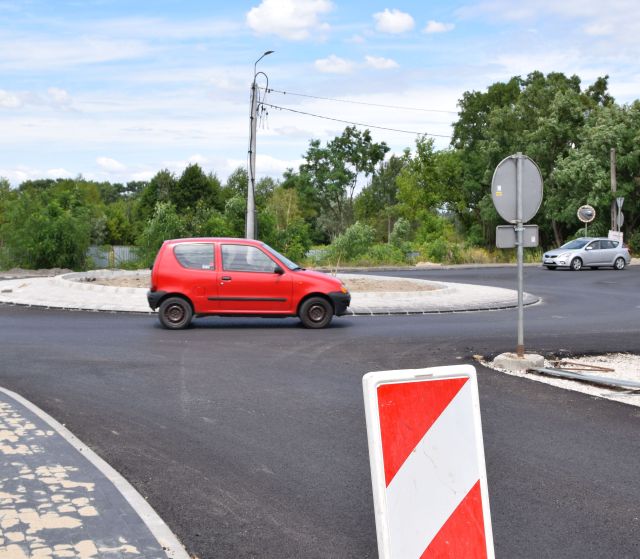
(316, 312)
(175, 313)
(576, 264)
(620, 263)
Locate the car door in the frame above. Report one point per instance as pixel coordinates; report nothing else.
(592, 254)
(197, 274)
(607, 252)
(249, 284)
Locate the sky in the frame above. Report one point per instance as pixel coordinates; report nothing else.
(115, 90)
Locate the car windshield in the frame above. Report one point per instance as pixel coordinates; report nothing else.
(288, 263)
(577, 243)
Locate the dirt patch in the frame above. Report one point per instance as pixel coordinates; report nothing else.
(355, 285)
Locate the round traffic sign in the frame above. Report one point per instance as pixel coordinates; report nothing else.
(504, 188)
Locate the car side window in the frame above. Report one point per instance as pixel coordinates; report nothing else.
(244, 258)
(595, 245)
(195, 256)
(608, 244)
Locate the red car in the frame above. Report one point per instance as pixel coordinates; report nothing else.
(239, 277)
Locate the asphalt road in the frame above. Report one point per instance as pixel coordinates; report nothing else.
(248, 435)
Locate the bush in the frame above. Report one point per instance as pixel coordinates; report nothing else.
(354, 242)
(383, 255)
(634, 243)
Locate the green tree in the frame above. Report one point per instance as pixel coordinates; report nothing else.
(583, 176)
(159, 189)
(45, 231)
(329, 177)
(165, 224)
(540, 116)
(291, 232)
(377, 202)
(193, 186)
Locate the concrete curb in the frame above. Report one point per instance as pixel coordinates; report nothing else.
(69, 292)
(52, 479)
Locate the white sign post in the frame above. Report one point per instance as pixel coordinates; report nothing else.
(427, 464)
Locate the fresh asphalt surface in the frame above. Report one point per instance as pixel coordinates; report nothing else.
(248, 436)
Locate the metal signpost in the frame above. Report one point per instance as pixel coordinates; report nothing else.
(516, 191)
(586, 214)
(620, 215)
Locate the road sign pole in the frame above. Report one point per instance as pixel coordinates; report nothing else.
(520, 254)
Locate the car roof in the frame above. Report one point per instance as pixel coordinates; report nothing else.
(213, 240)
(593, 239)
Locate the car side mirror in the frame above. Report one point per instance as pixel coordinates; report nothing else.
(278, 270)
(589, 248)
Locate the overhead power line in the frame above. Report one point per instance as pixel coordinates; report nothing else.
(355, 123)
(269, 90)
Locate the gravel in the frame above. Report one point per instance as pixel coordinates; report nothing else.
(626, 366)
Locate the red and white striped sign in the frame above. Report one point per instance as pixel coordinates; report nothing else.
(427, 464)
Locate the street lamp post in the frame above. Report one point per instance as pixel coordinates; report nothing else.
(250, 225)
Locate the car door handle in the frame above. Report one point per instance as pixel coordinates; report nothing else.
(226, 278)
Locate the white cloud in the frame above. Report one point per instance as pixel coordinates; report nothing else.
(59, 173)
(266, 165)
(291, 19)
(599, 28)
(143, 175)
(37, 52)
(9, 100)
(438, 27)
(334, 65)
(356, 39)
(59, 97)
(380, 63)
(393, 21)
(110, 165)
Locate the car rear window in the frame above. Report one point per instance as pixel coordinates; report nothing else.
(196, 256)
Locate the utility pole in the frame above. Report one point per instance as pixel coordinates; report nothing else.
(250, 223)
(614, 184)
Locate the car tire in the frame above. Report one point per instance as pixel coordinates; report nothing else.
(550, 267)
(576, 264)
(619, 264)
(175, 313)
(315, 312)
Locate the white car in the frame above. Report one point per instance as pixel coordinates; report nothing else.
(593, 252)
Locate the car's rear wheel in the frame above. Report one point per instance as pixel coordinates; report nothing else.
(175, 313)
(576, 264)
(620, 263)
(316, 312)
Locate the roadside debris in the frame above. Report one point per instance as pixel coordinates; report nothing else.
(618, 375)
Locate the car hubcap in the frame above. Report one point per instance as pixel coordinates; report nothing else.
(174, 314)
(317, 313)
